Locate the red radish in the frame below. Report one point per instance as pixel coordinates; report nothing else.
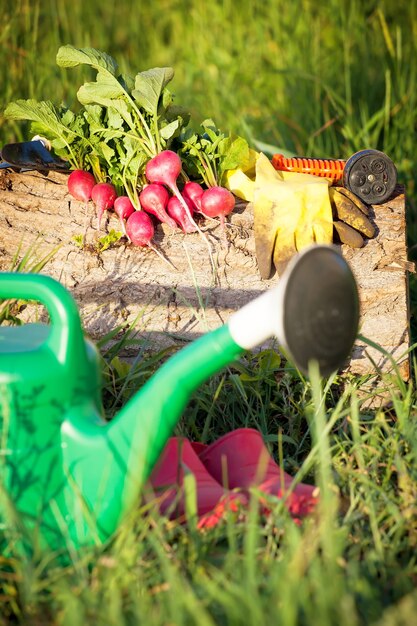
(164, 168)
(176, 210)
(154, 199)
(80, 184)
(139, 228)
(217, 202)
(123, 208)
(193, 191)
(103, 195)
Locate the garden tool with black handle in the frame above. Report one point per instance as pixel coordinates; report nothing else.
(31, 155)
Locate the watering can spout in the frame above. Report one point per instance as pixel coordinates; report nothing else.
(123, 452)
(92, 472)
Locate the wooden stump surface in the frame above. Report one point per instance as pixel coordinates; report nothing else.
(129, 284)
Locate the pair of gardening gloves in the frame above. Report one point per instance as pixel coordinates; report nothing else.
(292, 211)
(205, 481)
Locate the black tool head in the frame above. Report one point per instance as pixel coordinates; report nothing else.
(371, 175)
(320, 309)
(32, 155)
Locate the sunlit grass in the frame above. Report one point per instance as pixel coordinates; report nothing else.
(321, 79)
(344, 566)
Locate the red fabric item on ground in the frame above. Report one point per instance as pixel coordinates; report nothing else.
(240, 459)
(167, 478)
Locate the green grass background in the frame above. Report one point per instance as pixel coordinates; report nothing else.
(321, 79)
(324, 79)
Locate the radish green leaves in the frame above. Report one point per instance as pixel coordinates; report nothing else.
(209, 153)
(124, 121)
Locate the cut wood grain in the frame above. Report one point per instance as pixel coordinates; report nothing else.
(124, 284)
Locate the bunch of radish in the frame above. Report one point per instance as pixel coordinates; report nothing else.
(162, 172)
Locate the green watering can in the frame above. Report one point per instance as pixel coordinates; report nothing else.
(70, 476)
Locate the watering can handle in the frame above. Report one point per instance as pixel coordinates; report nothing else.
(66, 334)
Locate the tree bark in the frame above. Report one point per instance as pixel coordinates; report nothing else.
(128, 285)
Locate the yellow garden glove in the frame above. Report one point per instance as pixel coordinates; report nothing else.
(291, 211)
(279, 231)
